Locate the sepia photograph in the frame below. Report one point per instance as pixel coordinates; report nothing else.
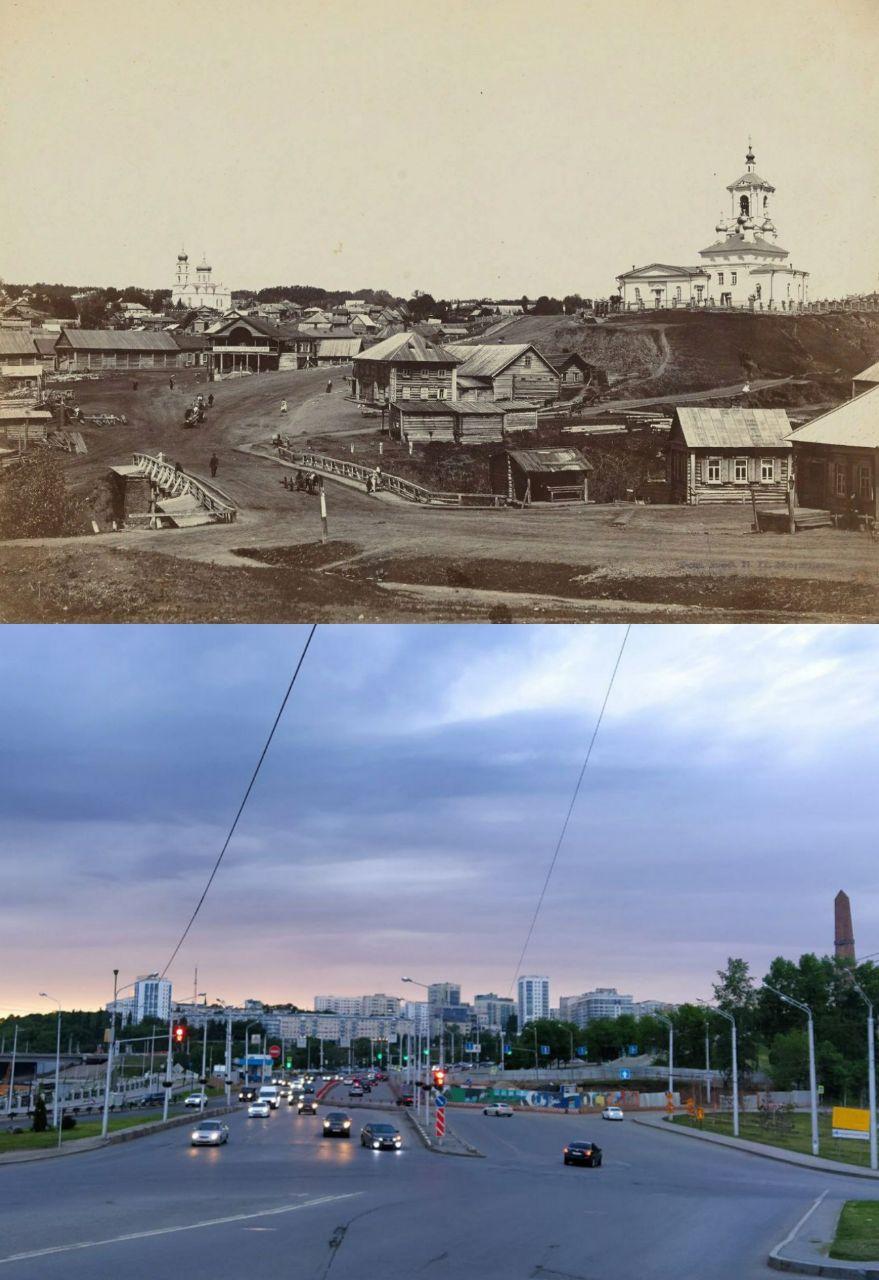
(493, 313)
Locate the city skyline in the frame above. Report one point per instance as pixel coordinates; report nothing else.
(409, 805)
(557, 95)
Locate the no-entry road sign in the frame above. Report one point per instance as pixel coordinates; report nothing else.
(274, 1051)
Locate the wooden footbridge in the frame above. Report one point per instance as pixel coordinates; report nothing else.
(178, 498)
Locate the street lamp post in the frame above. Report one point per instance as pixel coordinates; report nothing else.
(813, 1086)
(57, 1061)
(735, 1063)
(105, 1119)
(871, 1066)
(671, 1050)
(11, 1094)
(204, 1054)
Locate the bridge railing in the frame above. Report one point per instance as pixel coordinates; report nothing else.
(406, 489)
(177, 482)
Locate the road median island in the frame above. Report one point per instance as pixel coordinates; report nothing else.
(802, 1159)
(121, 1130)
(829, 1233)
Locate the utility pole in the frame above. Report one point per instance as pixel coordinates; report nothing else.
(169, 1065)
(810, 1035)
(46, 996)
(10, 1096)
(204, 1056)
(871, 1067)
(671, 1050)
(707, 1064)
(105, 1119)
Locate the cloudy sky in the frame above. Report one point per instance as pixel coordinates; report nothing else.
(406, 814)
(464, 149)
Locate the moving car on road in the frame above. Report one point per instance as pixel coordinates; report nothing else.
(588, 1153)
(196, 1100)
(259, 1108)
(246, 1095)
(406, 1100)
(209, 1133)
(270, 1094)
(612, 1113)
(337, 1125)
(307, 1106)
(497, 1109)
(356, 1091)
(153, 1099)
(381, 1137)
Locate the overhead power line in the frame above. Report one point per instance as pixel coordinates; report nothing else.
(250, 785)
(576, 793)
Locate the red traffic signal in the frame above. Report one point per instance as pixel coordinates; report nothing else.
(439, 1077)
(179, 1035)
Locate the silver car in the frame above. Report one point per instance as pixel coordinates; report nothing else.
(210, 1133)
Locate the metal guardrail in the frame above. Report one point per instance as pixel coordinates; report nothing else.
(406, 489)
(176, 482)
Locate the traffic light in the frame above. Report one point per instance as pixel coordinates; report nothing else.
(179, 1035)
(439, 1077)
(288, 1063)
(379, 1056)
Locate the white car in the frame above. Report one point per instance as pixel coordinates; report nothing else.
(497, 1109)
(612, 1113)
(260, 1108)
(196, 1100)
(210, 1133)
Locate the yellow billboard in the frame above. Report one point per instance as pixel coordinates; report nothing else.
(850, 1122)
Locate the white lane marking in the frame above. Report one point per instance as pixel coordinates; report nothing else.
(787, 1239)
(167, 1231)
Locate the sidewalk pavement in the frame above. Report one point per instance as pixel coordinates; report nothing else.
(804, 1161)
(805, 1250)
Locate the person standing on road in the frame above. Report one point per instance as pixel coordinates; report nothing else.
(170, 384)
(329, 385)
(134, 386)
(283, 406)
(214, 463)
(211, 400)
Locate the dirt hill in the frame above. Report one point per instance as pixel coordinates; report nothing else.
(652, 353)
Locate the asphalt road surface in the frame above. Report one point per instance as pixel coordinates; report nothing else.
(281, 1200)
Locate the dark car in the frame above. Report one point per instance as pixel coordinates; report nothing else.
(154, 1099)
(247, 1095)
(309, 1088)
(294, 1098)
(381, 1137)
(405, 1100)
(337, 1125)
(588, 1153)
(307, 1105)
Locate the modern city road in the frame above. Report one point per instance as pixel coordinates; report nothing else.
(281, 1200)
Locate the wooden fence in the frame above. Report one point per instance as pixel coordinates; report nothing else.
(166, 476)
(406, 489)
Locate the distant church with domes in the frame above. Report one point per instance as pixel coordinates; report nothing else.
(743, 268)
(200, 290)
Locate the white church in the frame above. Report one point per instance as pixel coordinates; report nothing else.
(742, 268)
(199, 290)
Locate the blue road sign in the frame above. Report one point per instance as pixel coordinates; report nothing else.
(633, 1051)
(544, 1049)
(469, 1047)
(581, 1051)
(468, 1081)
(625, 1073)
(440, 1099)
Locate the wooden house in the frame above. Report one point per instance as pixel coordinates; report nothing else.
(541, 475)
(332, 351)
(573, 370)
(403, 367)
(717, 455)
(242, 344)
(96, 349)
(423, 421)
(504, 371)
(836, 458)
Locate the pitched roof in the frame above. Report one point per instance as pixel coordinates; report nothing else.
(547, 460)
(734, 428)
(750, 180)
(487, 360)
(17, 342)
(734, 244)
(347, 347)
(868, 375)
(117, 340)
(665, 267)
(408, 348)
(855, 423)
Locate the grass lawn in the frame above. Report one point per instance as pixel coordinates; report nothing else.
(85, 1129)
(857, 1234)
(796, 1137)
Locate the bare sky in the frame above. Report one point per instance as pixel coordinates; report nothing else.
(464, 149)
(407, 811)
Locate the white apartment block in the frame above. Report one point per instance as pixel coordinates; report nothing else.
(533, 998)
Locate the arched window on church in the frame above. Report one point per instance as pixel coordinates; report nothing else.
(744, 206)
(678, 293)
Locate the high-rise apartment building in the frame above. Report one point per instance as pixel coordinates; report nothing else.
(533, 998)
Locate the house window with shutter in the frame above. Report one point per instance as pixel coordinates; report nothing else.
(712, 470)
(840, 480)
(733, 277)
(407, 393)
(424, 393)
(865, 487)
(740, 471)
(767, 470)
(720, 277)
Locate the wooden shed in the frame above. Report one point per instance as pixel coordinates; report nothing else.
(422, 421)
(836, 458)
(718, 455)
(541, 475)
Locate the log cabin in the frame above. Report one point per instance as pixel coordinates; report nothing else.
(717, 455)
